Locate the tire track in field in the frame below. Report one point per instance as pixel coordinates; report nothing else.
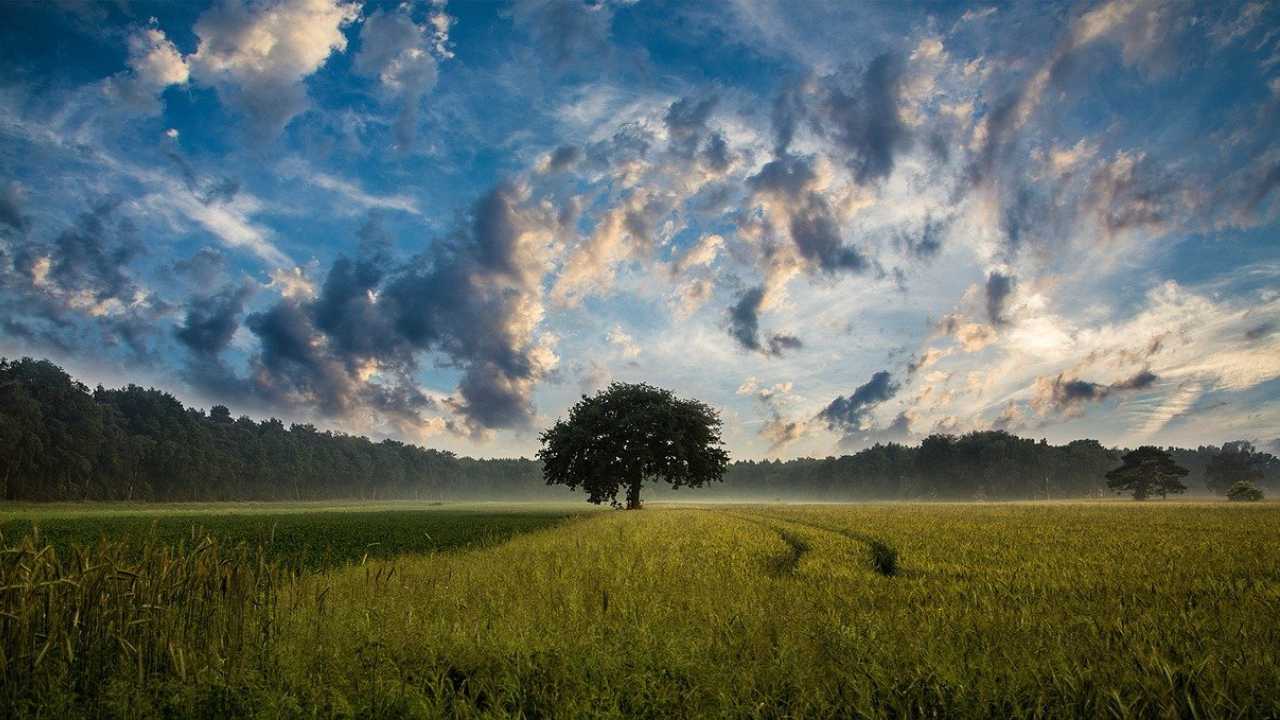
(883, 556)
(785, 564)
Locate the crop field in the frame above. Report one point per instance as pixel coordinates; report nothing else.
(887, 610)
(308, 535)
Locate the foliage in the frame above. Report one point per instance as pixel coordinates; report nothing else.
(1005, 611)
(627, 435)
(1244, 491)
(63, 442)
(1147, 471)
(1237, 463)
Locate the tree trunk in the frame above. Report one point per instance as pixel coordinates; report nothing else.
(633, 495)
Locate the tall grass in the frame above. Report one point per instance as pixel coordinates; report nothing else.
(76, 624)
(988, 611)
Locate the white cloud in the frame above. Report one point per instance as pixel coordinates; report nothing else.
(399, 53)
(154, 64)
(258, 55)
(357, 196)
(625, 344)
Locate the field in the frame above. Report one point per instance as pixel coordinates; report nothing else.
(889, 610)
(307, 535)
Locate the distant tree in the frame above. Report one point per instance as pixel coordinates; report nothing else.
(1244, 491)
(627, 435)
(1147, 471)
(1236, 463)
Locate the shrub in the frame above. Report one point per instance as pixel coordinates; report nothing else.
(1244, 491)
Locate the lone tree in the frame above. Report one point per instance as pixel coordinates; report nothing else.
(1147, 471)
(1237, 463)
(627, 435)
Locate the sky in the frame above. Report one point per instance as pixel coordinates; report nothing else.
(838, 223)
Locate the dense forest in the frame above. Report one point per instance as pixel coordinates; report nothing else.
(59, 440)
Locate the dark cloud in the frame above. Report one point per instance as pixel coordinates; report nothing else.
(999, 288)
(999, 122)
(1131, 193)
(630, 143)
(292, 367)
(744, 318)
(1069, 395)
(810, 220)
(865, 122)
(744, 326)
(846, 414)
(566, 31)
(788, 111)
(816, 233)
(204, 269)
(686, 122)
(466, 298)
(78, 290)
(209, 191)
(564, 157)
(780, 343)
(788, 176)
(12, 207)
(928, 241)
(715, 153)
(90, 258)
(1259, 331)
(210, 322)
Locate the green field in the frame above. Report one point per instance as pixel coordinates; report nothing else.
(889, 610)
(310, 535)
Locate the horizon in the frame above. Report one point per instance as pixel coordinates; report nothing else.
(207, 412)
(444, 222)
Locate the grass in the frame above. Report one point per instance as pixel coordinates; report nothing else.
(1062, 610)
(305, 535)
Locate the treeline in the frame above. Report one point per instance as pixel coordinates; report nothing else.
(59, 440)
(980, 465)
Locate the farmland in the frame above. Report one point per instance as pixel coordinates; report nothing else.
(885, 610)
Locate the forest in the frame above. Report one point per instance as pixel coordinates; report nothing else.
(62, 441)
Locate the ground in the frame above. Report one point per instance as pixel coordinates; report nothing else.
(949, 610)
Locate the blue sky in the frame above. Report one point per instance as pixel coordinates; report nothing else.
(840, 223)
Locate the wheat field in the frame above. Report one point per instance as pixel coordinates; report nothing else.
(887, 610)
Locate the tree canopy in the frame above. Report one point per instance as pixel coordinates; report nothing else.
(1147, 471)
(627, 435)
(1237, 463)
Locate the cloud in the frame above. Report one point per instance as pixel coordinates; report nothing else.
(354, 345)
(566, 31)
(154, 64)
(13, 207)
(257, 56)
(211, 321)
(744, 326)
(686, 123)
(357, 197)
(865, 122)
(398, 53)
(971, 336)
(999, 288)
(788, 188)
(82, 281)
(849, 414)
(625, 344)
(1068, 396)
(563, 158)
(624, 232)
